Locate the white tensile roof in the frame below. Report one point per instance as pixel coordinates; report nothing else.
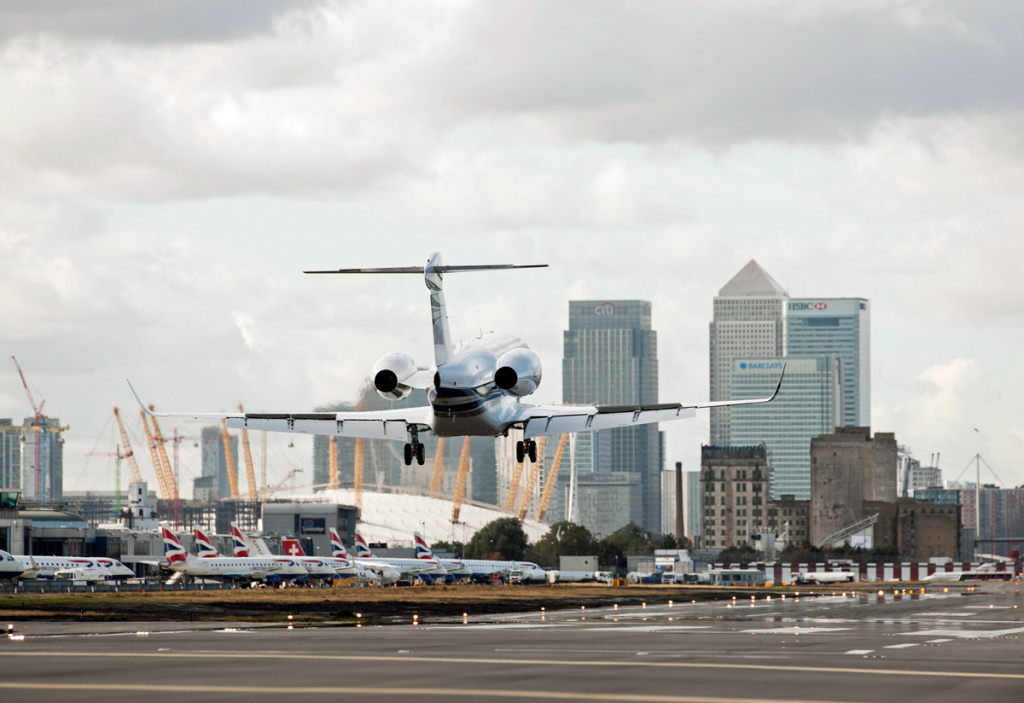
(393, 517)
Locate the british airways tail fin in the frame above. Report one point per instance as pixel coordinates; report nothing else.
(173, 550)
(422, 550)
(241, 544)
(205, 545)
(337, 546)
(362, 548)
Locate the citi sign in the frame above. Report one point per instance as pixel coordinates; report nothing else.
(819, 306)
(604, 309)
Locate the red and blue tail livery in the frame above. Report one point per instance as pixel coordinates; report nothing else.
(204, 545)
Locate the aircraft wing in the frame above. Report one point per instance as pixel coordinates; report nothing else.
(558, 419)
(377, 424)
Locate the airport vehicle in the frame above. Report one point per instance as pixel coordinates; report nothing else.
(474, 388)
(47, 567)
(221, 568)
(559, 576)
(820, 578)
(425, 569)
(86, 574)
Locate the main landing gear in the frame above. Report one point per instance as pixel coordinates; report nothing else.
(524, 448)
(414, 449)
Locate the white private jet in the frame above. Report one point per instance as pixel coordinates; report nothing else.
(474, 388)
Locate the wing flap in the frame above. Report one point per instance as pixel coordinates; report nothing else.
(603, 419)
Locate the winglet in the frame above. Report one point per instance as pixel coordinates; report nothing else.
(779, 387)
(139, 400)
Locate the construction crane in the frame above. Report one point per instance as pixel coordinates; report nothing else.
(118, 456)
(40, 420)
(229, 457)
(549, 483)
(172, 480)
(158, 467)
(285, 480)
(531, 482)
(435, 479)
(513, 488)
(250, 471)
(133, 465)
(460, 482)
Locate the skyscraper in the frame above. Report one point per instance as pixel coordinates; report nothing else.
(10, 454)
(838, 327)
(749, 320)
(611, 358)
(810, 404)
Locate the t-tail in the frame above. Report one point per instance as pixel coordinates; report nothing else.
(337, 546)
(239, 541)
(362, 548)
(205, 545)
(433, 273)
(173, 550)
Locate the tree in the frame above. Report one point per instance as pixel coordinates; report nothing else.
(563, 539)
(503, 538)
(742, 554)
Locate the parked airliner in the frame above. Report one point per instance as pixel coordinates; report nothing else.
(429, 568)
(387, 574)
(47, 567)
(222, 568)
(474, 388)
(483, 568)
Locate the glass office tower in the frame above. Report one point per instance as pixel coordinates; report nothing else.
(809, 404)
(836, 327)
(611, 358)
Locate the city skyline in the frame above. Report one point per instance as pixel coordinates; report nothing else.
(167, 177)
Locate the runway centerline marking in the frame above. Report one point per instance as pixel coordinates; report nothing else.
(478, 694)
(521, 662)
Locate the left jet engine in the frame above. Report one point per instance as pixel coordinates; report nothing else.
(390, 374)
(519, 372)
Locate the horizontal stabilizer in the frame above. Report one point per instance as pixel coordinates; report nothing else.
(438, 269)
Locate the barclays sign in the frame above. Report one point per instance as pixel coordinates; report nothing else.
(760, 365)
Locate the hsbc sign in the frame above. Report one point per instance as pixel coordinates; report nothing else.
(819, 306)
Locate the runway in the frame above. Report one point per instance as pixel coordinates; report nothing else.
(931, 647)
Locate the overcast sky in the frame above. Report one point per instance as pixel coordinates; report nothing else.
(167, 170)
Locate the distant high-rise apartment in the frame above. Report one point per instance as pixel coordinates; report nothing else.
(839, 327)
(734, 485)
(51, 461)
(611, 358)
(214, 462)
(749, 320)
(10, 455)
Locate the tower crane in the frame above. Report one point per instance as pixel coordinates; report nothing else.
(435, 479)
(158, 467)
(133, 465)
(332, 460)
(118, 456)
(40, 420)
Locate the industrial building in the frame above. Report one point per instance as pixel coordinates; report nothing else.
(735, 492)
(849, 467)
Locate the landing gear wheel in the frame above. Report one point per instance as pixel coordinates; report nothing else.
(520, 452)
(408, 454)
(420, 454)
(533, 452)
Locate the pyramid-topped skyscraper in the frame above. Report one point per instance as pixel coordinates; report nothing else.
(749, 320)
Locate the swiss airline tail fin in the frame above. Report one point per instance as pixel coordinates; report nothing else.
(292, 547)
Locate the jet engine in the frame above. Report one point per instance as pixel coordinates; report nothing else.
(390, 373)
(519, 372)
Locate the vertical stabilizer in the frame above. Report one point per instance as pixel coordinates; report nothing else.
(438, 309)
